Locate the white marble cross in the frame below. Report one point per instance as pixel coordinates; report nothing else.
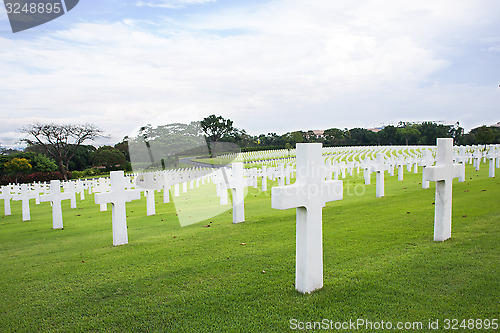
(166, 187)
(426, 162)
(55, 197)
(150, 201)
(263, 175)
(367, 174)
(253, 178)
(309, 194)
(150, 182)
(37, 189)
(280, 174)
(379, 167)
(25, 197)
(400, 170)
(221, 186)
(461, 159)
(237, 184)
(80, 188)
(497, 152)
(476, 155)
(443, 173)
(6, 196)
(71, 188)
(102, 187)
(392, 164)
(491, 157)
(176, 190)
(118, 196)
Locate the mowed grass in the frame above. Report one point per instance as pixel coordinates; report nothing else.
(380, 263)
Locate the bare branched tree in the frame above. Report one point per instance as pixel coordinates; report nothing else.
(60, 141)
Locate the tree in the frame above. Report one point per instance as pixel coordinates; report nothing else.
(60, 141)
(82, 159)
(309, 136)
(18, 166)
(43, 164)
(429, 132)
(39, 162)
(294, 137)
(109, 158)
(288, 147)
(389, 135)
(216, 128)
(409, 133)
(457, 133)
(333, 137)
(241, 138)
(123, 147)
(485, 135)
(154, 147)
(360, 136)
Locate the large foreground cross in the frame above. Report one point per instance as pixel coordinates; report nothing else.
(443, 173)
(118, 196)
(308, 194)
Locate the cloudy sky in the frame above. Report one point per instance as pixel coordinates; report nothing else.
(269, 65)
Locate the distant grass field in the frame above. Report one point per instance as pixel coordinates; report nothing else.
(380, 263)
(214, 161)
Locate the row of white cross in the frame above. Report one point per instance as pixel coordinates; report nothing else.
(353, 153)
(310, 192)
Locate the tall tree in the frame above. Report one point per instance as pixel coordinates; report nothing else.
(485, 135)
(123, 147)
(60, 141)
(82, 159)
(457, 133)
(333, 137)
(216, 128)
(360, 136)
(110, 158)
(294, 137)
(429, 132)
(389, 135)
(409, 133)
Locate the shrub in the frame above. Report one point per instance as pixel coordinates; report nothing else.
(31, 178)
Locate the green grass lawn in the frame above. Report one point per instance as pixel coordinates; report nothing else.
(380, 263)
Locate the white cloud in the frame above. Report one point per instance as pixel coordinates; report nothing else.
(3, 14)
(282, 66)
(172, 3)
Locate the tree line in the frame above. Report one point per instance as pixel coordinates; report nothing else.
(404, 133)
(59, 151)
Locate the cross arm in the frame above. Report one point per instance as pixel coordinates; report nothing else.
(102, 198)
(435, 173)
(286, 197)
(132, 195)
(439, 172)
